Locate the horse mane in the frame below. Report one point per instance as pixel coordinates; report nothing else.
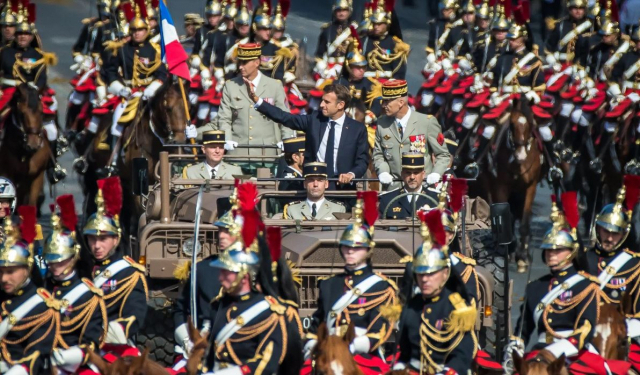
(162, 90)
(30, 94)
(331, 350)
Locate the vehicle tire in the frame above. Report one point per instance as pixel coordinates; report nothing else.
(487, 256)
(157, 333)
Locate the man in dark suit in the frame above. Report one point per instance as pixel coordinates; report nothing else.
(417, 197)
(329, 129)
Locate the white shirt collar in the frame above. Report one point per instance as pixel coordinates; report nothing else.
(405, 119)
(340, 120)
(209, 168)
(318, 204)
(256, 81)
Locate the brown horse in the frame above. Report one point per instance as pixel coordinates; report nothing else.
(331, 355)
(198, 351)
(610, 338)
(128, 365)
(517, 171)
(24, 150)
(544, 363)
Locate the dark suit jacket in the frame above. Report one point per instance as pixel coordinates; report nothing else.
(353, 150)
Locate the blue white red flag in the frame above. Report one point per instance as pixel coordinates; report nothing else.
(173, 54)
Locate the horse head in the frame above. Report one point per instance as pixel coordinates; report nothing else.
(521, 129)
(168, 115)
(544, 363)
(611, 329)
(141, 365)
(200, 344)
(27, 116)
(331, 355)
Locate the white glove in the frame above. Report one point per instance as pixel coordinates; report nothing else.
(219, 74)
(125, 92)
(78, 59)
(360, 345)
(385, 178)
(150, 91)
(433, 178)
(280, 145)
(321, 65)
(191, 132)
(87, 63)
(230, 145)
(532, 96)
(308, 347)
(634, 97)
(17, 370)
(464, 64)
(206, 84)
(68, 359)
(116, 334)
(288, 77)
(515, 345)
(51, 129)
(431, 58)
(195, 62)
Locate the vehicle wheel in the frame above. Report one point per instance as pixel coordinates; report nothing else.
(487, 257)
(157, 334)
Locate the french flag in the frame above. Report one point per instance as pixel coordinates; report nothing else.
(173, 53)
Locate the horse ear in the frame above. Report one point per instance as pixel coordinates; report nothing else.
(556, 366)
(351, 333)
(99, 362)
(518, 363)
(323, 332)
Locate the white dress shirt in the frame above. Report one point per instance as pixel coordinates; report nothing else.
(412, 197)
(209, 168)
(318, 204)
(404, 121)
(336, 142)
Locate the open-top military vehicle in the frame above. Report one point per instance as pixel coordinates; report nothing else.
(166, 235)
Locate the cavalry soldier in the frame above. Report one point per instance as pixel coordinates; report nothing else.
(274, 60)
(358, 295)
(467, 33)
(121, 278)
(316, 207)
(616, 265)
(7, 197)
(417, 197)
(29, 314)
(134, 73)
(226, 48)
(333, 40)
(439, 38)
(204, 36)
(192, 24)
(152, 10)
(402, 129)
(602, 51)
(83, 313)
(560, 46)
(561, 308)
(258, 344)
(213, 167)
(294, 157)
(491, 46)
(386, 53)
(436, 328)
(95, 32)
(8, 23)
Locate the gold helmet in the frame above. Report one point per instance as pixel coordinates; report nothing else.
(469, 8)
(226, 220)
(8, 17)
(213, 8)
(62, 244)
(563, 234)
(261, 19)
(432, 255)
(609, 26)
(360, 232)
(229, 10)
(500, 21)
(484, 11)
(381, 14)
(616, 217)
(342, 5)
(139, 20)
(152, 9)
(577, 3)
(109, 203)
(517, 31)
(17, 248)
(354, 57)
(279, 18)
(26, 19)
(243, 17)
(453, 193)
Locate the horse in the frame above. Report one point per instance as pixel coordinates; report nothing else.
(610, 338)
(544, 363)
(515, 177)
(331, 355)
(128, 365)
(198, 350)
(24, 149)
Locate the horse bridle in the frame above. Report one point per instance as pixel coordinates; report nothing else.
(26, 132)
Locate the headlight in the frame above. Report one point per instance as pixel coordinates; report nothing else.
(187, 247)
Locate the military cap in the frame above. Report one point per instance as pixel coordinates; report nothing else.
(293, 145)
(315, 169)
(412, 160)
(394, 88)
(249, 51)
(213, 136)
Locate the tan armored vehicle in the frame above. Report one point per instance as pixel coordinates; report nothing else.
(167, 230)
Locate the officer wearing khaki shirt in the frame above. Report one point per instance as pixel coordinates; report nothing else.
(238, 118)
(400, 130)
(316, 207)
(213, 167)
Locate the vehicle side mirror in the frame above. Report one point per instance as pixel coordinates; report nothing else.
(501, 224)
(140, 176)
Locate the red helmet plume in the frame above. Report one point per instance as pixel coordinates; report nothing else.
(632, 185)
(433, 220)
(28, 222)
(285, 5)
(570, 208)
(457, 190)
(274, 240)
(112, 195)
(370, 211)
(68, 215)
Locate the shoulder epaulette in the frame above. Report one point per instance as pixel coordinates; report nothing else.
(325, 25)
(406, 259)
(550, 23)
(284, 52)
(633, 253)
(323, 278)
(114, 45)
(465, 259)
(463, 317)
(336, 202)
(49, 300)
(92, 287)
(135, 264)
(50, 58)
(589, 276)
(276, 307)
(388, 280)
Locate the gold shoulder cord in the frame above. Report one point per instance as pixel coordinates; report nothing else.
(592, 293)
(82, 319)
(634, 273)
(377, 57)
(27, 67)
(123, 293)
(141, 69)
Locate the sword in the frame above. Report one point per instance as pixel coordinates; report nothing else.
(194, 258)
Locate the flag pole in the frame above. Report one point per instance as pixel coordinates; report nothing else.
(186, 111)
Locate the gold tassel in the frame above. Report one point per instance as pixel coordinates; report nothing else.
(406, 259)
(114, 46)
(550, 23)
(391, 312)
(325, 83)
(376, 91)
(371, 137)
(295, 272)
(401, 47)
(50, 58)
(284, 52)
(463, 318)
(39, 236)
(182, 271)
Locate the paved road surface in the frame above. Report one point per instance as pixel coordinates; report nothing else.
(59, 24)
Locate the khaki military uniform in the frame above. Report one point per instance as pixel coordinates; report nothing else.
(302, 210)
(225, 171)
(422, 134)
(242, 123)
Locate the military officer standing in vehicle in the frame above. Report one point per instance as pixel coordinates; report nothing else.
(436, 334)
(358, 295)
(29, 314)
(316, 207)
(83, 313)
(294, 157)
(402, 129)
(121, 278)
(213, 167)
(414, 196)
(238, 118)
(561, 308)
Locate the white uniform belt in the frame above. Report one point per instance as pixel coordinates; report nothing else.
(515, 89)
(73, 295)
(562, 56)
(335, 60)
(109, 272)
(630, 85)
(415, 363)
(379, 74)
(144, 81)
(9, 82)
(542, 338)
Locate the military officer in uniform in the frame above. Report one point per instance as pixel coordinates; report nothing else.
(213, 14)
(561, 308)
(316, 207)
(357, 295)
(7, 197)
(95, 32)
(258, 345)
(402, 129)
(492, 45)
(332, 41)
(361, 88)
(227, 45)
(436, 334)
(135, 67)
(560, 46)
(415, 198)
(121, 278)
(294, 157)
(8, 23)
(213, 167)
(28, 313)
(439, 38)
(275, 60)
(191, 23)
(83, 313)
(238, 118)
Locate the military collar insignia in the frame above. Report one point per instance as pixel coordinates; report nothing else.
(358, 272)
(66, 283)
(386, 137)
(435, 299)
(245, 297)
